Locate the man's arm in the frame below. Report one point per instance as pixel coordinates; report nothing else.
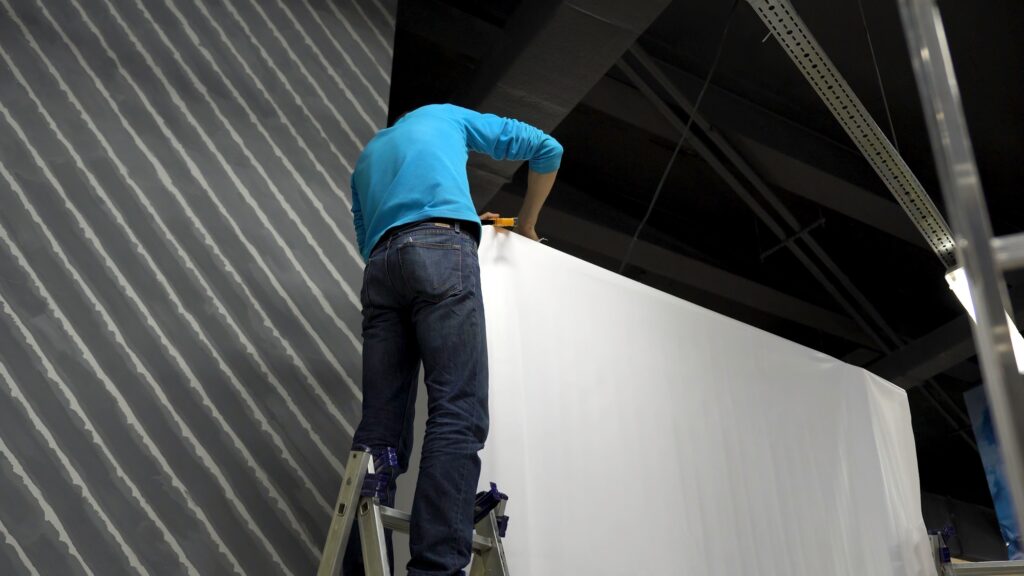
(538, 187)
(508, 139)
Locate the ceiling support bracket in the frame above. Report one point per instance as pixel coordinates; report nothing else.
(802, 233)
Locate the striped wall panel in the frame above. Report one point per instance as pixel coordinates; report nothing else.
(179, 311)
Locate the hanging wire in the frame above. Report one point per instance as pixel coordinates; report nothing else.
(878, 74)
(679, 145)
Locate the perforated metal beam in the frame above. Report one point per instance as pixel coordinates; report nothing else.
(796, 39)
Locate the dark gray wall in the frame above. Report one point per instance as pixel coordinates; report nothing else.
(179, 319)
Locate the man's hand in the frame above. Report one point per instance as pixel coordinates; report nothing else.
(529, 232)
(522, 230)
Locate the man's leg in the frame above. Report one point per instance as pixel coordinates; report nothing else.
(390, 373)
(449, 318)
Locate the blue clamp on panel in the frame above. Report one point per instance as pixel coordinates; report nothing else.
(949, 531)
(502, 525)
(385, 465)
(487, 501)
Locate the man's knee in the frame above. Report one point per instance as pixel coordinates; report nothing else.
(456, 440)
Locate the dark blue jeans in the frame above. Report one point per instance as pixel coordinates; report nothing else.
(422, 302)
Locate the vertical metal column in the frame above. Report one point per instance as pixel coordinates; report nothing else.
(972, 231)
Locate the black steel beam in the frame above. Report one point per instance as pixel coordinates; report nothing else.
(563, 227)
(940, 350)
(746, 189)
(448, 27)
(551, 54)
(787, 155)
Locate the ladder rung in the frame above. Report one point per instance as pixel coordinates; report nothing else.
(1008, 251)
(988, 569)
(399, 521)
(395, 519)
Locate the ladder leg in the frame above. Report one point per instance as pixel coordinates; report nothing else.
(344, 512)
(371, 531)
(490, 562)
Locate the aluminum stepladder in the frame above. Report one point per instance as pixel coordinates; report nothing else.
(945, 567)
(359, 506)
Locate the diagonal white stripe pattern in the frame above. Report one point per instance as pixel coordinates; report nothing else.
(51, 516)
(330, 69)
(121, 402)
(193, 323)
(11, 541)
(265, 57)
(257, 165)
(174, 240)
(327, 353)
(385, 43)
(76, 479)
(355, 36)
(166, 181)
(324, 214)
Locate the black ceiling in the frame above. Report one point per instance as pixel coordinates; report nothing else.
(617, 146)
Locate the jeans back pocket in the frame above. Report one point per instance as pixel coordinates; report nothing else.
(432, 266)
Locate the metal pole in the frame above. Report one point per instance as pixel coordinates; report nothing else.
(972, 232)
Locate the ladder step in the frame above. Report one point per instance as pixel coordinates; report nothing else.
(399, 521)
(365, 484)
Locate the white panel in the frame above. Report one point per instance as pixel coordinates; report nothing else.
(637, 433)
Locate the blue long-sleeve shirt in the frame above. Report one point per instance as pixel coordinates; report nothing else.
(416, 169)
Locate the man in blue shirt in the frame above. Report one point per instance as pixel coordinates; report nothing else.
(418, 230)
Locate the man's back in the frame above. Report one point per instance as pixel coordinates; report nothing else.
(416, 169)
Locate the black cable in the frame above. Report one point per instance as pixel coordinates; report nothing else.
(686, 132)
(878, 74)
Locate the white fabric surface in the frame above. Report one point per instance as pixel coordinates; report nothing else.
(640, 434)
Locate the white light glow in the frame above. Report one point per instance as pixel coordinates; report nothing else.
(957, 280)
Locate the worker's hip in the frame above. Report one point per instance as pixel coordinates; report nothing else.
(426, 262)
(463, 227)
